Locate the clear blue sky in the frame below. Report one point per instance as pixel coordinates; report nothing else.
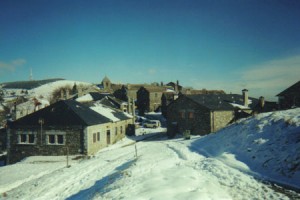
(213, 44)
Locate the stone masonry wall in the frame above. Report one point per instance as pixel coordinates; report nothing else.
(220, 119)
(17, 152)
(198, 124)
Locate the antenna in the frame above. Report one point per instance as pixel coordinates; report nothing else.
(30, 76)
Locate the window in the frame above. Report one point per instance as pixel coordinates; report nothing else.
(121, 129)
(191, 115)
(51, 139)
(116, 130)
(182, 114)
(98, 136)
(55, 137)
(60, 139)
(26, 137)
(94, 137)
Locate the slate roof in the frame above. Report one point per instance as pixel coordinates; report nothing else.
(292, 90)
(109, 112)
(221, 101)
(98, 96)
(121, 115)
(63, 113)
(109, 103)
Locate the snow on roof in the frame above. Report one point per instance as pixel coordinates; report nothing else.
(85, 98)
(242, 106)
(108, 112)
(239, 106)
(170, 90)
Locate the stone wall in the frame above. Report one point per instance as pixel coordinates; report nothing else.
(179, 111)
(154, 100)
(17, 152)
(220, 119)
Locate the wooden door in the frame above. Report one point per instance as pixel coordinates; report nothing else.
(108, 136)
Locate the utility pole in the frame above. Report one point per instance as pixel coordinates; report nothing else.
(41, 122)
(30, 76)
(133, 110)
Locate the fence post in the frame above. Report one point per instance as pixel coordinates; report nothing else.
(135, 150)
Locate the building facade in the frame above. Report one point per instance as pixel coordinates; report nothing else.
(290, 97)
(61, 128)
(204, 114)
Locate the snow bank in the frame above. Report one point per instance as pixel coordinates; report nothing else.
(267, 145)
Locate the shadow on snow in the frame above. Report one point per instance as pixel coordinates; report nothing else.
(102, 186)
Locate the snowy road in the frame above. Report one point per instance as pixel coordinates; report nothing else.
(164, 169)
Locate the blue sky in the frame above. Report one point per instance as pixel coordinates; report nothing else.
(213, 44)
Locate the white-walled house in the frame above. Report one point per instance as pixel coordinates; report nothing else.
(30, 106)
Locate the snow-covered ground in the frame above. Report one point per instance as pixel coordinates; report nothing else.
(224, 165)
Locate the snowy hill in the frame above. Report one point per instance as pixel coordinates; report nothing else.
(44, 90)
(216, 166)
(268, 145)
(27, 84)
(47, 89)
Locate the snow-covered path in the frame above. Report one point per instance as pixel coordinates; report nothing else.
(164, 169)
(179, 173)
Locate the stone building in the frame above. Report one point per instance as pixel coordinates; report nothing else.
(175, 86)
(290, 97)
(64, 126)
(167, 98)
(28, 107)
(106, 83)
(149, 98)
(206, 113)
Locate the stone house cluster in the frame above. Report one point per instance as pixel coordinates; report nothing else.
(93, 118)
(206, 113)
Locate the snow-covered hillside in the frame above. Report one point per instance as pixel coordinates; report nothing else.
(47, 89)
(44, 90)
(216, 166)
(268, 145)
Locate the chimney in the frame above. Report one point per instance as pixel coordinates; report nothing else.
(261, 102)
(129, 105)
(79, 92)
(245, 97)
(62, 94)
(133, 110)
(67, 94)
(176, 86)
